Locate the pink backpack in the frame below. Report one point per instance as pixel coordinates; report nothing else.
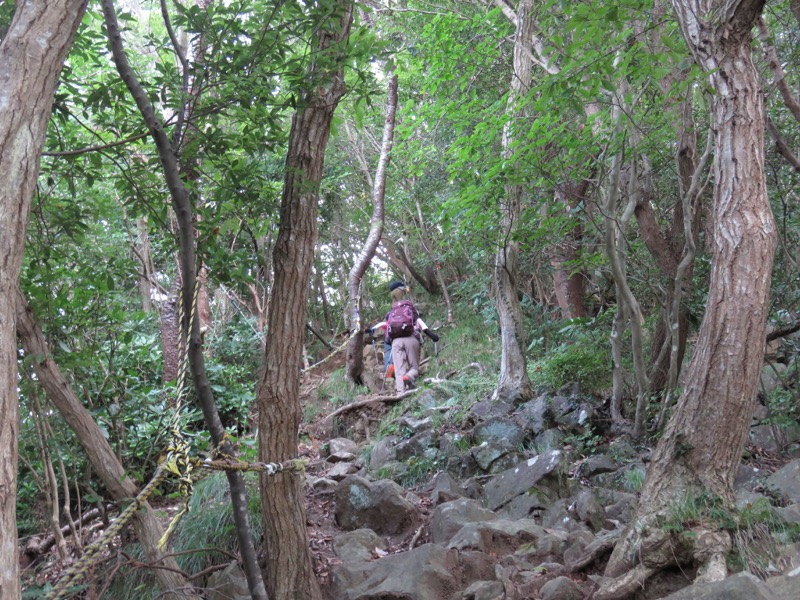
(401, 320)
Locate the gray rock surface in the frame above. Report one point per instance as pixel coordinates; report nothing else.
(786, 482)
(424, 573)
(450, 517)
(336, 445)
(445, 488)
(228, 584)
(380, 506)
(485, 590)
(358, 545)
(518, 480)
(562, 588)
(498, 536)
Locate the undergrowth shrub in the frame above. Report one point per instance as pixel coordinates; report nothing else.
(585, 365)
(337, 389)
(205, 536)
(578, 353)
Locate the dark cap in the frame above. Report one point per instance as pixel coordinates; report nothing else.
(396, 284)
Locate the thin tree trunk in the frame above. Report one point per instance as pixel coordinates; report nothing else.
(627, 303)
(98, 451)
(514, 383)
(290, 573)
(170, 330)
(355, 347)
(569, 285)
(181, 204)
(701, 447)
(32, 53)
(50, 485)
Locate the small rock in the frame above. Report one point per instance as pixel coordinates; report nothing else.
(336, 445)
(484, 590)
(450, 517)
(322, 485)
(562, 588)
(358, 545)
(341, 470)
(341, 456)
(445, 488)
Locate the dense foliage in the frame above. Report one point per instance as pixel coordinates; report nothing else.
(100, 261)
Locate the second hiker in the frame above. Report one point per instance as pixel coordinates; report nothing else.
(403, 328)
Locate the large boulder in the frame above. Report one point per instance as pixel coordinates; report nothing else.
(450, 517)
(429, 572)
(498, 536)
(518, 480)
(785, 482)
(380, 506)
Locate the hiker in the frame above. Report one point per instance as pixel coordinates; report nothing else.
(403, 329)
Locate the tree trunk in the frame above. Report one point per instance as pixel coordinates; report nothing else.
(290, 573)
(701, 447)
(514, 383)
(182, 205)
(31, 56)
(570, 286)
(99, 452)
(170, 330)
(355, 347)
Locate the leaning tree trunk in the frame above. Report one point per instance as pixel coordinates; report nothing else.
(355, 347)
(701, 447)
(514, 383)
(99, 452)
(32, 53)
(290, 572)
(182, 205)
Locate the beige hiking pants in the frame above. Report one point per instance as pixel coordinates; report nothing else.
(405, 356)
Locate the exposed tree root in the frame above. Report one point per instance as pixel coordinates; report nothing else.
(645, 549)
(599, 547)
(625, 585)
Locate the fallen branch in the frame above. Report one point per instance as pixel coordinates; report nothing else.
(37, 549)
(415, 539)
(370, 400)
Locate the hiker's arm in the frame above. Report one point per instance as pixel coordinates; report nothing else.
(424, 328)
(371, 330)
